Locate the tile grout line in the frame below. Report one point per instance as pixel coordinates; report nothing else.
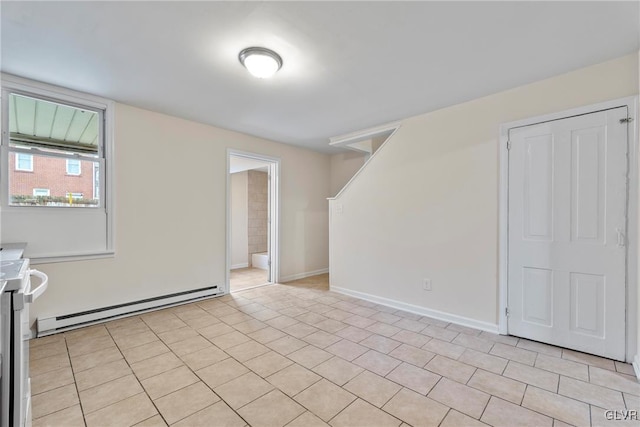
(75, 384)
(133, 372)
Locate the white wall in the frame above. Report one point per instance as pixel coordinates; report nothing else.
(170, 214)
(636, 360)
(343, 167)
(239, 220)
(426, 205)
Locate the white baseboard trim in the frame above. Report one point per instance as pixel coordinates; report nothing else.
(298, 276)
(416, 309)
(241, 265)
(636, 365)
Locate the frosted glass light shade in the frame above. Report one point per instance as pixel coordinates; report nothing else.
(260, 62)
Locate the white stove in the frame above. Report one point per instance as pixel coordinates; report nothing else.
(16, 295)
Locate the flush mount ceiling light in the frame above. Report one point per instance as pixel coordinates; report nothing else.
(260, 62)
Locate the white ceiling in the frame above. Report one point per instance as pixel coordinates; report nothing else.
(347, 66)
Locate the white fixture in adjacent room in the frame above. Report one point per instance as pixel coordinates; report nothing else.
(260, 62)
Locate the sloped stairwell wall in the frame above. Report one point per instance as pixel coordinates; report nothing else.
(426, 204)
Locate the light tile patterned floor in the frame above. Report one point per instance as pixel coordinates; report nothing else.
(243, 278)
(299, 355)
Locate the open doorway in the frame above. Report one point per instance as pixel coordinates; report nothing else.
(252, 220)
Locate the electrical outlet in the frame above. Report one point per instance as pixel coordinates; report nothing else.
(426, 284)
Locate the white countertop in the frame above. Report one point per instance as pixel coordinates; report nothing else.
(11, 251)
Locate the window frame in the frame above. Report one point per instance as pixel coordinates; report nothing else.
(79, 167)
(17, 162)
(106, 157)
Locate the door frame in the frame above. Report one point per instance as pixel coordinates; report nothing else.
(631, 319)
(274, 214)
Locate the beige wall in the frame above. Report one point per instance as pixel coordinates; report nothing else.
(258, 205)
(170, 214)
(239, 220)
(343, 167)
(426, 205)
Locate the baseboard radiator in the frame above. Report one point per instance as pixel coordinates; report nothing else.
(53, 325)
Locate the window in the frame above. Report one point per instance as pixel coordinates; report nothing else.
(56, 134)
(24, 162)
(73, 167)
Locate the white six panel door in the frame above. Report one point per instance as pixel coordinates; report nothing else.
(567, 227)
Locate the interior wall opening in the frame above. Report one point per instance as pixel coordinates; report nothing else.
(251, 223)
